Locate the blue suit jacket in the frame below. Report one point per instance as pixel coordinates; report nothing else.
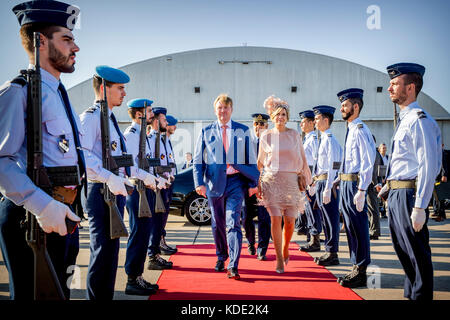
(210, 159)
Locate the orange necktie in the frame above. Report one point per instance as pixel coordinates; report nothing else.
(225, 138)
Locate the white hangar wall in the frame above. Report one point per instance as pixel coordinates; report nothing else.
(249, 75)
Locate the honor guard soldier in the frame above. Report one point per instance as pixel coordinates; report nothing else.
(170, 130)
(140, 221)
(355, 177)
(414, 163)
(159, 125)
(312, 215)
(252, 210)
(324, 174)
(47, 38)
(104, 248)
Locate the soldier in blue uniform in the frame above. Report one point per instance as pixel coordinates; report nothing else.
(170, 130)
(156, 262)
(61, 147)
(414, 163)
(324, 173)
(104, 250)
(260, 123)
(139, 226)
(355, 178)
(312, 215)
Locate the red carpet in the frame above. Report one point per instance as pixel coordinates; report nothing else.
(193, 278)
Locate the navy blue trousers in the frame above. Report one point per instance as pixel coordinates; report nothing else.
(251, 211)
(156, 227)
(19, 258)
(330, 218)
(103, 262)
(356, 225)
(412, 247)
(139, 234)
(313, 218)
(167, 197)
(226, 221)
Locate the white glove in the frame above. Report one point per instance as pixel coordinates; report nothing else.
(359, 200)
(383, 190)
(171, 178)
(117, 185)
(162, 183)
(326, 196)
(148, 179)
(418, 218)
(312, 189)
(53, 217)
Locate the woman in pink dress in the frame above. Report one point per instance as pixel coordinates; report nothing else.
(281, 159)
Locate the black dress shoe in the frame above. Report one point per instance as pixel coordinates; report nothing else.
(251, 249)
(158, 263)
(373, 237)
(220, 266)
(165, 249)
(233, 274)
(328, 259)
(313, 245)
(261, 257)
(140, 287)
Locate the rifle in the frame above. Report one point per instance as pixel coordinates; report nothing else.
(46, 283)
(395, 116)
(160, 170)
(117, 227)
(144, 209)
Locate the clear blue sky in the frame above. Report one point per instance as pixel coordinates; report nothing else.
(118, 33)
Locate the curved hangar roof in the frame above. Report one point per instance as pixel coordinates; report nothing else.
(188, 82)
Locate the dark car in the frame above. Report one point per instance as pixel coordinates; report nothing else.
(187, 202)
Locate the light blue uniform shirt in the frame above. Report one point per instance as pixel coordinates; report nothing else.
(163, 150)
(132, 135)
(360, 152)
(329, 152)
(171, 155)
(14, 182)
(92, 144)
(310, 145)
(417, 152)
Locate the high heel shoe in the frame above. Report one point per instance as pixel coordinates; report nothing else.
(280, 269)
(286, 261)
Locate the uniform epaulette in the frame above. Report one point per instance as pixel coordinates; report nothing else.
(20, 80)
(133, 130)
(421, 114)
(329, 134)
(360, 126)
(91, 109)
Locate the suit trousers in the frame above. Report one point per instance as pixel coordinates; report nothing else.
(330, 218)
(251, 211)
(313, 216)
(139, 234)
(19, 258)
(373, 211)
(226, 220)
(356, 225)
(103, 262)
(412, 247)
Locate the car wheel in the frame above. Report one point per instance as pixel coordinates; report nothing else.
(197, 210)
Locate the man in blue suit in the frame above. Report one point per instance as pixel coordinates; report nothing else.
(224, 168)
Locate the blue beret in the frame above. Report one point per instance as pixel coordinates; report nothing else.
(112, 75)
(324, 110)
(52, 12)
(398, 69)
(350, 93)
(307, 114)
(138, 103)
(159, 110)
(260, 117)
(171, 121)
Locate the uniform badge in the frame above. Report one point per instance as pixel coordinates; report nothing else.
(63, 144)
(170, 156)
(163, 156)
(114, 145)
